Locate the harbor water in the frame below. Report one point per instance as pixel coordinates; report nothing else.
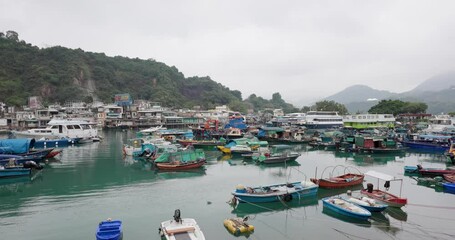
(91, 182)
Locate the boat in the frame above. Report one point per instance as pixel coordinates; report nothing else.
(425, 142)
(451, 153)
(341, 206)
(17, 159)
(238, 150)
(433, 172)
(63, 128)
(323, 120)
(8, 172)
(273, 193)
(55, 143)
(368, 203)
(449, 177)
(182, 160)
(175, 166)
(270, 158)
(181, 229)
(439, 123)
(151, 130)
(109, 230)
(383, 196)
(238, 226)
(449, 187)
(347, 179)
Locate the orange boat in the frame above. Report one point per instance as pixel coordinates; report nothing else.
(177, 165)
(340, 181)
(449, 177)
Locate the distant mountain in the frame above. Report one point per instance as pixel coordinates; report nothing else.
(436, 83)
(359, 93)
(437, 92)
(59, 74)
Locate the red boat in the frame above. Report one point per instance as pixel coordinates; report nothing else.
(341, 181)
(53, 153)
(431, 172)
(383, 196)
(177, 165)
(449, 177)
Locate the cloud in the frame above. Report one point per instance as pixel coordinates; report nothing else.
(303, 49)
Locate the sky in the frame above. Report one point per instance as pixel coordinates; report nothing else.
(305, 50)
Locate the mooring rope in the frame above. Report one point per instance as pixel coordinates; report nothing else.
(430, 206)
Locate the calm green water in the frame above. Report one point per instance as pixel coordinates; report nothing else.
(92, 182)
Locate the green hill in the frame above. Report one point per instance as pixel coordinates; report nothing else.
(59, 74)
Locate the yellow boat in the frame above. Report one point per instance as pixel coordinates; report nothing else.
(238, 226)
(225, 150)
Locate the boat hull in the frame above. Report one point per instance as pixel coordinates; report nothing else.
(109, 230)
(385, 197)
(360, 213)
(425, 146)
(343, 181)
(370, 207)
(297, 192)
(449, 187)
(180, 166)
(14, 172)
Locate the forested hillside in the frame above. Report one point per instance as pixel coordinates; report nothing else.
(59, 74)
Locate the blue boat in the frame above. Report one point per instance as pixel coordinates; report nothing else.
(274, 193)
(14, 172)
(341, 206)
(55, 143)
(449, 187)
(18, 159)
(368, 203)
(16, 146)
(109, 230)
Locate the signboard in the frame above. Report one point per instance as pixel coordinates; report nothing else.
(123, 99)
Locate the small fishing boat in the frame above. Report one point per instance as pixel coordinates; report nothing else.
(368, 203)
(109, 230)
(177, 165)
(8, 172)
(182, 160)
(273, 193)
(238, 226)
(383, 196)
(449, 187)
(346, 208)
(431, 172)
(180, 229)
(270, 158)
(449, 177)
(347, 179)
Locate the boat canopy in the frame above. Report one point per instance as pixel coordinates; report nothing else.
(16, 146)
(381, 176)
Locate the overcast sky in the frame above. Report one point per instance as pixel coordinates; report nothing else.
(305, 50)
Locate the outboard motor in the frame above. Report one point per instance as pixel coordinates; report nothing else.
(370, 187)
(33, 165)
(177, 216)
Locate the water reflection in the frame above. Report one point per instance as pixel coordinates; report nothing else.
(358, 222)
(243, 209)
(397, 213)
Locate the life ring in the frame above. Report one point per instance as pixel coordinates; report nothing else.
(287, 197)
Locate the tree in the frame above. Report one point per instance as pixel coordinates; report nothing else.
(305, 109)
(396, 107)
(330, 106)
(12, 35)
